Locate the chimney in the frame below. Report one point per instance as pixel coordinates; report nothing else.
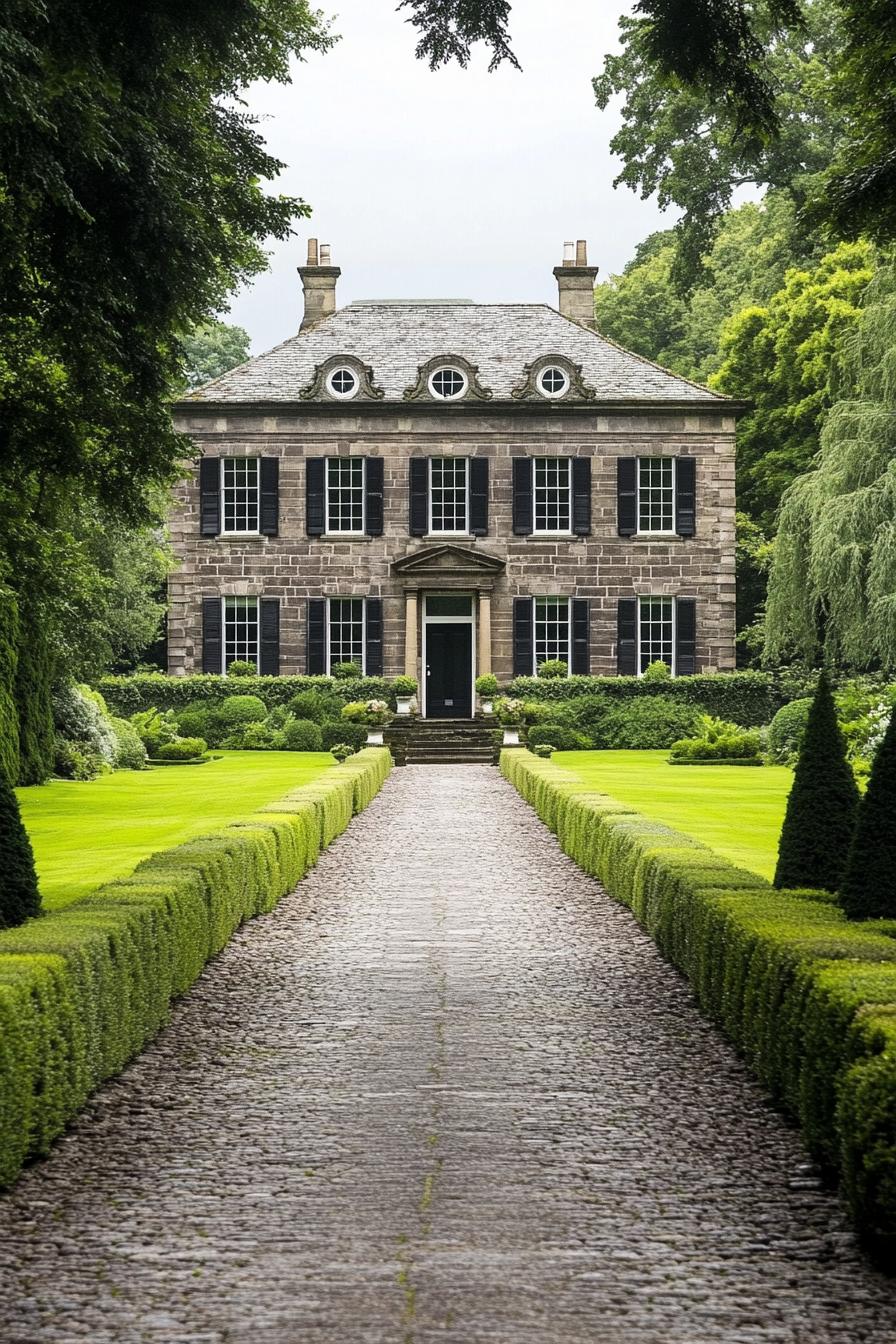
(319, 285)
(575, 281)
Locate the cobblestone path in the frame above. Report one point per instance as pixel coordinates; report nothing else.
(446, 1092)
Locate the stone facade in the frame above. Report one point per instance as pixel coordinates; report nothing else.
(601, 567)
(610, 405)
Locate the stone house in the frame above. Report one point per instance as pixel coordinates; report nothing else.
(445, 488)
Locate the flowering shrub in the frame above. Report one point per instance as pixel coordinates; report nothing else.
(374, 713)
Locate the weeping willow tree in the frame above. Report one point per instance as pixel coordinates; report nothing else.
(832, 588)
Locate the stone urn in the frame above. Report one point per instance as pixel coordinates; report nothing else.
(403, 705)
(374, 737)
(511, 737)
(487, 706)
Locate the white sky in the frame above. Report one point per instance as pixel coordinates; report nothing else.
(455, 184)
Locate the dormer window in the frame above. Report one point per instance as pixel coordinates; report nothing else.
(447, 384)
(342, 382)
(553, 381)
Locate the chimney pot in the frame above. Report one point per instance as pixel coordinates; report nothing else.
(319, 285)
(575, 282)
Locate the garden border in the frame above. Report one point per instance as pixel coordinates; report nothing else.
(83, 989)
(808, 999)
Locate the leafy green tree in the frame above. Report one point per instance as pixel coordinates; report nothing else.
(694, 151)
(213, 348)
(821, 808)
(868, 889)
(753, 558)
(832, 587)
(781, 355)
(641, 309)
(19, 895)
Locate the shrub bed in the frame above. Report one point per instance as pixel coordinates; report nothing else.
(82, 990)
(809, 999)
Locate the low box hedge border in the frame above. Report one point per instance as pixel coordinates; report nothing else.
(808, 998)
(83, 989)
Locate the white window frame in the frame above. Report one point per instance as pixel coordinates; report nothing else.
(661, 597)
(337, 531)
(240, 597)
(662, 531)
(551, 531)
(363, 601)
(343, 396)
(226, 531)
(445, 532)
(539, 383)
(448, 368)
(553, 597)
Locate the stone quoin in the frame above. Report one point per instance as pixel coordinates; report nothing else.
(443, 489)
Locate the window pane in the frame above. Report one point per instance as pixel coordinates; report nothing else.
(551, 629)
(552, 491)
(448, 604)
(656, 494)
(656, 631)
(345, 494)
(240, 630)
(448, 492)
(240, 494)
(347, 630)
(447, 383)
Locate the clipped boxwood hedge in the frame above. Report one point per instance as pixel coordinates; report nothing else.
(809, 999)
(127, 695)
(747, 698)
(83, 989)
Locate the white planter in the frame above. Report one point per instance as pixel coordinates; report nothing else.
(511, 737)
(488, 706)
(374, 737)
(403, 704)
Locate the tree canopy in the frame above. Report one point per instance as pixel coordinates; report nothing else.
(212, 348)
(832, 588)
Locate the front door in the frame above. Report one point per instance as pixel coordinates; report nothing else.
(449, 671)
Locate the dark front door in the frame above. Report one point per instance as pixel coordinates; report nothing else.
(449, 672)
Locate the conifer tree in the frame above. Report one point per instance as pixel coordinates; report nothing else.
(868, 890)
(821, 809)
(19, 896)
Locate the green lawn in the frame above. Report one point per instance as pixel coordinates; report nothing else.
(738, 811)
(86, 834)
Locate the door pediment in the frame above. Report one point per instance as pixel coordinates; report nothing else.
(449, 564)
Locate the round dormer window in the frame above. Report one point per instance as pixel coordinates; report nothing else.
(342, 383)
(447, 384)
(553, 381)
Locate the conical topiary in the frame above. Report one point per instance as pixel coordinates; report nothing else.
(19, 897)
(821, 809)
(868, 889)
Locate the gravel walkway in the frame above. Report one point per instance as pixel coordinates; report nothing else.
(446, 1092)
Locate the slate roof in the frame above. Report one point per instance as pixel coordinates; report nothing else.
(395, 338)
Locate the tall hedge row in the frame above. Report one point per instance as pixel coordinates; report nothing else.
(747, 698)
(34, 704)
(82, 990)
(126, 695)
(809, 999)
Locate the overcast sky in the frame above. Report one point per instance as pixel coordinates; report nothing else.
(457, 184)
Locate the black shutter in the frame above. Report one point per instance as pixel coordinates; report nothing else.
(478, 496)
(317, 636)
(373, 652)
(627, 637)
(212, 635)
(522, 496)
(373, 475)
(522, 636)
(627, 496)
(685, 636)
(581, 661)
(269, 481)
(685, 496)
(418, 503)
(315, 496)
(581, 496)
(269, 642)
(209, 497)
